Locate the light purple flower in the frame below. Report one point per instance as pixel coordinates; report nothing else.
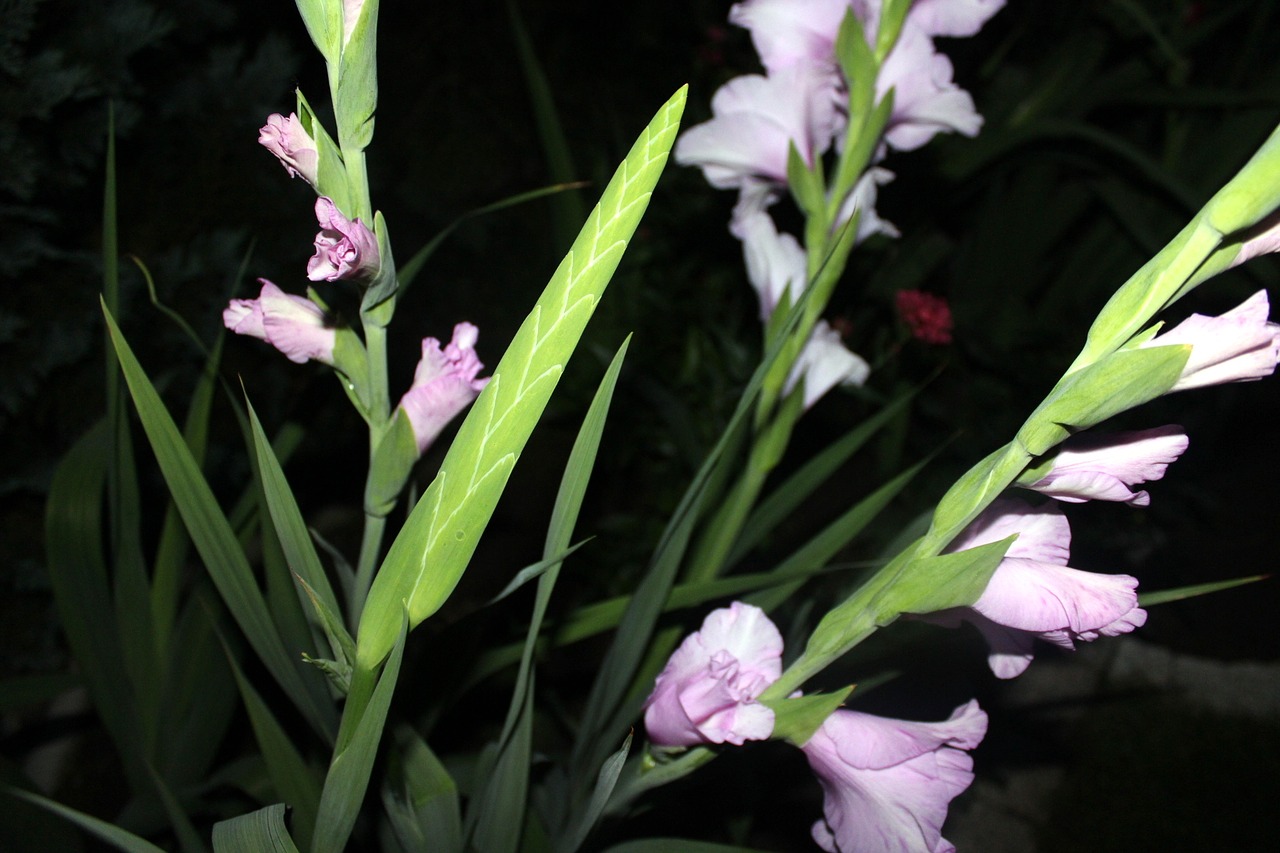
(756, 119)
(444, 383)
(1237, 346)
(1034, 594)
(295, 149)
(292, 324)
(1104, 469)
(863, 199)
(707, 691)
(345, 248)
(824, 363)
(887, 783)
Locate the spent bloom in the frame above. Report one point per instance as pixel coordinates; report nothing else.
(293, 147)
(707, 691)
(345, 248)
(887, 783)
(1237, 346)
(926, 315)
(1105, 469)
(1034, 594)
(292, 324)
(444, 383)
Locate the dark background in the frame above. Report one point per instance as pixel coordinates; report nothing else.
(1107, 125)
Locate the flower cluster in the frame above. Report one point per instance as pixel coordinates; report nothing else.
(800, 103)
(886, 783)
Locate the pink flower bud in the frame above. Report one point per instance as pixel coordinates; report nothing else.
(1237, 346)
(707, 691)
(1103, 469)
(345, 248)
(444, 384)
(285, 138)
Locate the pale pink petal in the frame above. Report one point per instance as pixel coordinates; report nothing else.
(788, 32)
(862, 199)
(886, 783)
(707, 691)
(1092, 469)
(776, 263)
(824, 363)
(953, 17)
(1043, 532)
(292, 324)
(1262, 239)
(1040, 597)
(1237, 346)
(926, 101)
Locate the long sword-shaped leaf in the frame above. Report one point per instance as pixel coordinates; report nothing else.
(426, 560)
(113, 835)
(213, 537)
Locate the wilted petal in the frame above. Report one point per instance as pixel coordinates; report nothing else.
(824, 363)
(1105, 469)
(293, 147)
(1237, 346)
(345, 248)
(887, 783)
(707, 691)
(444, 383)
(756, 119)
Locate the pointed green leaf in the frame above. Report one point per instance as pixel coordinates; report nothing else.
(605, 783)
(113, 835)
(1164, 596)
(429, 556)
(798, 717)
(420, 797)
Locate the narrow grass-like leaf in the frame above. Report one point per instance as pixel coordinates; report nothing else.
(497, 816)
(426, 560)
(605, 783)
(1163, 596)
(533, 571)
(78, 574)
(212, 535)
(262, 831)
(188, 838)
(113, 835)
(420, 797)
(295, 781)
(784, 500)
(348, 777)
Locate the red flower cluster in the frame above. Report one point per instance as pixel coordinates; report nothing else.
(927, 316)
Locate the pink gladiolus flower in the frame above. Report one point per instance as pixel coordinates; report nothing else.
(927, 316)
(1033, 592)
(292, 324)
(707, 691)
(345, 248)
(791, 32)
(887, 783)
(756, 120)
(285, 138)
(824, 363)
(925, 100)
(444, 383)
(1103, 470)
(1237, 346)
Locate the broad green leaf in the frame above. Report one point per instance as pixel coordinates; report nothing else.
(213, 538)
(420, 797)
(262, 831)
(111, 834)
(426, 560)
(348, 776)
(294, 780)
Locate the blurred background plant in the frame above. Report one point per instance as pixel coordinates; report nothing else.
(1107, 124)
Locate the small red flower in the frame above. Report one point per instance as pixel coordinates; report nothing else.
(927, 316)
